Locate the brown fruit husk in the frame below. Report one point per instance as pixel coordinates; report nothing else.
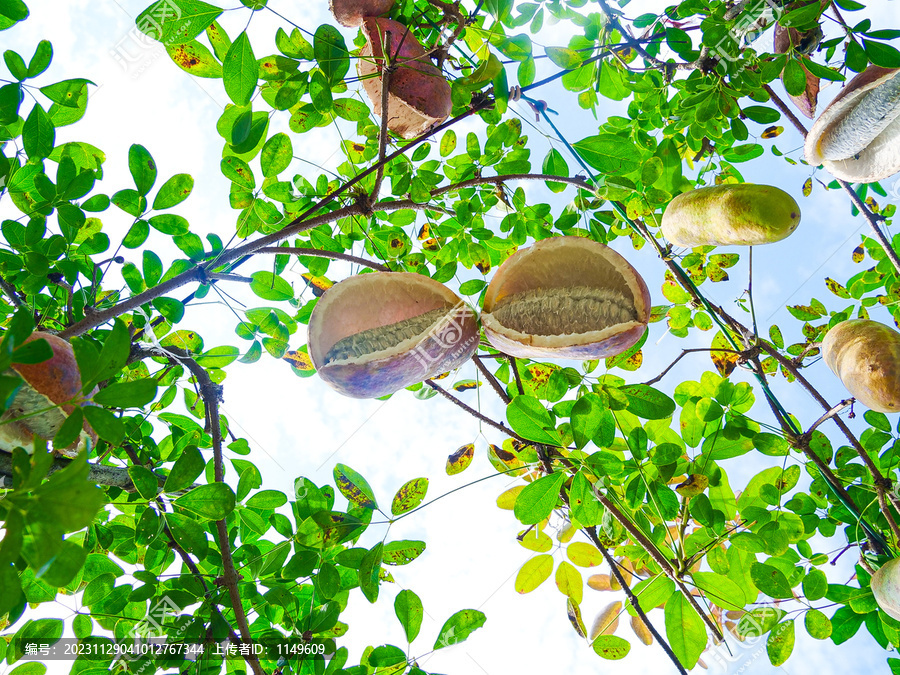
(418, 93)
(561, 298)
(351, 13)
(52, 387)
(380, 302)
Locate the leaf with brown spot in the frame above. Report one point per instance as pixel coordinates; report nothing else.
(725, 362)
(540, 373)
(409, 496)
(424, 232)
(574, 613)
(430, 244)
(299, 360)
(716, 273)
(354, 487)
(194, 58)
(503, 461)
(872, 204)
(459, 461)
(772, 132)
(807, 187)
(859, 254)
(466, 385)
(441, 376)
(836, 288)
(694, 485)
(318, 284)
(483, 266)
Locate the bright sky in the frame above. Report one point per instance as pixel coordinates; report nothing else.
(301, 427)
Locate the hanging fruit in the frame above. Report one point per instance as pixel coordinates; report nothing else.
(374, 334)
(565, 297)
(865, 355)
(50, 393)
(857, 137)
(735, 214)
(418, 93)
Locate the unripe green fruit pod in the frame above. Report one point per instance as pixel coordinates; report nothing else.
(865, 355)
(886, 587)
(736, 214)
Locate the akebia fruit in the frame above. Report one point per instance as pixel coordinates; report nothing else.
(737, 214)
(565, 297)
(857, 137)
(418, 93)
(865, 355)
(50, 392)
(374, 334)
(885, 587)
(352, 12)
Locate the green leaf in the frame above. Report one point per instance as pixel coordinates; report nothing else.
(409, 496)
(815, 585)
(10, 587)
(611, 647)
(611, 155)
(213, 501)
(134, 394)
(538, 499)
(460, 460)
(794, 77)
(720, 589)
(174, 191)
(369, 572)
(38, 134)
(684, 630)
(817, 624)
(780, 643)
(269, 286)
(459, 627)
(403, 551)
(354, 487)
(647, 402)
(881, 54)
(194, 58)
(108, 426)
(771, 581)
(555, 165)
(267, 499)
(331, 54)
(409, 611)
(67, 93)
(564, 57)
(64, 566)
(276, 155)
(185, 21)
(144, 481)
(186, 470)
(530, 419)
(240, 70)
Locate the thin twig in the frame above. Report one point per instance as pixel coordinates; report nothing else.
(685, 352)
(387, 69)
(487, 420)
(785, 109)
(513, 364)
(828, 415)
(10, 290)
(489, 376)
(319, 253)
(641, 539)
(592, 535)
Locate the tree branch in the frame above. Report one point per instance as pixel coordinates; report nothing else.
(489, 376)
(319, 253)
(387, 69)
(614, 568)
(212, 395)
(487, 420)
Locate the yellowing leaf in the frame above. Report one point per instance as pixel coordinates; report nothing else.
(318, 284)
(535, 540)
(584, 554)
(507, 500)
(569, 581)
(694, 485)
(772, 132)
(724, 361)
(299, 360)
(807, 187)
(533, 573)
(859, 254)
(459, 461)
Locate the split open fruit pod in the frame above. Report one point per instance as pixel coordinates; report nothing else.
(737, 214)
(885, 587)
(352, 12)
(51, 391)
(418, 93)
(857, 137)
(374, 334)
(565, 297)
(865, 355)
